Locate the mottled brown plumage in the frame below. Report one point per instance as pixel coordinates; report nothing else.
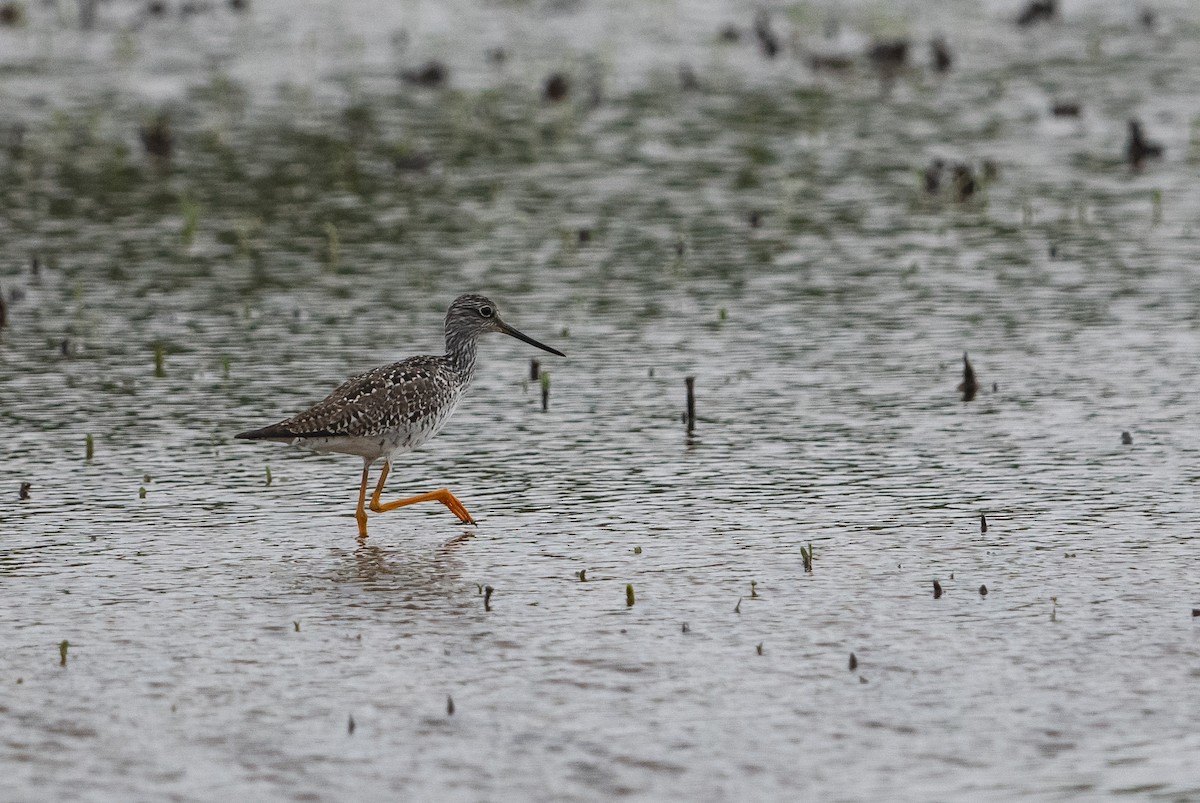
(402, 397)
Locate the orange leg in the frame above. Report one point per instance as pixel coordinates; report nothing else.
(361, 514)
(443, 495)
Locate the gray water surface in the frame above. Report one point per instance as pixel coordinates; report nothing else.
(225, 630)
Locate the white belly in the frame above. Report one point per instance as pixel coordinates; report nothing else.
(385, 444)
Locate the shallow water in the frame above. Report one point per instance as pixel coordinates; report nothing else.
(225, 630)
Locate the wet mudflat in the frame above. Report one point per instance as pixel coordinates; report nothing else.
(307, 213)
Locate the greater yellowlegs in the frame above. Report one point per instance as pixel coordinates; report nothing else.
(396, 408)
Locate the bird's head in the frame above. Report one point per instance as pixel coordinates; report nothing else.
(472, 315)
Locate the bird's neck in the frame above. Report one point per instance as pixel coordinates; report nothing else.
(460, 354)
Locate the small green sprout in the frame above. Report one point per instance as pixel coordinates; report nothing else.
(333, 246)
(191, 217)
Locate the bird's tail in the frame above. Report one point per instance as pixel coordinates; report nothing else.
(271, 433)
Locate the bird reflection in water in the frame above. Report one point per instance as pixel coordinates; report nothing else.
(383, 568)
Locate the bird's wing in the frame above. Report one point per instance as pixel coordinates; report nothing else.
(369, 403)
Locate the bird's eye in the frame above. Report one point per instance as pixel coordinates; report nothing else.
(486, 312)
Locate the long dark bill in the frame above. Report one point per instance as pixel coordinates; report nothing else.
(508, 330)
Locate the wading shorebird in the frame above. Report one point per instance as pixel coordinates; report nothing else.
(396, 408)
